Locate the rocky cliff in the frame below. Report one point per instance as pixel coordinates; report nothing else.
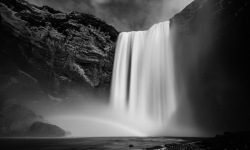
(54, 49)
(43, 54)
(212, 54)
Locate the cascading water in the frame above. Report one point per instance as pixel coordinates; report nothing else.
(143, 83)
(143, 92)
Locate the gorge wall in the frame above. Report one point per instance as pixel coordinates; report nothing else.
(212, 54)
(55, 49)
(44, 53)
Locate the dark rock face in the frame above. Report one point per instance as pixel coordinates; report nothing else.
(43, 54)
(57, 50)
(39, 129)
(211, 40)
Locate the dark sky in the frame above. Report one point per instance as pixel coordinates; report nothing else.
(124, 15)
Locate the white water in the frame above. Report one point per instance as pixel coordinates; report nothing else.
(143, 96)
(143, 93)
(143, 83)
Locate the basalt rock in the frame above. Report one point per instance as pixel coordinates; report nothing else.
(55, 49)
(19, 121)
(40, 129)
(211, 43)
(15, 120)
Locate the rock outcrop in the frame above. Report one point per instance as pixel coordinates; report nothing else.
(16, 119)
(19, 121)
(55, 49)
(40, 129)
(212, 54)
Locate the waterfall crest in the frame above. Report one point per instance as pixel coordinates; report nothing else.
(143, 83)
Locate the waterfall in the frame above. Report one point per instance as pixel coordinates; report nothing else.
(143, 82)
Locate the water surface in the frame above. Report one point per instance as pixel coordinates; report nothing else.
(114, 143)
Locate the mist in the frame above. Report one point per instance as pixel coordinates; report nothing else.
(94, 112)
(85, 115)
(124, 15)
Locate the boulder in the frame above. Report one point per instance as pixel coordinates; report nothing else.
(40, 129)
(16, 119)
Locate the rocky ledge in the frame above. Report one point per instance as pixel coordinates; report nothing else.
(58, 50)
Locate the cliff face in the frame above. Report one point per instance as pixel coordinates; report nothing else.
(54, 49)
(43, 54)
(212, 53)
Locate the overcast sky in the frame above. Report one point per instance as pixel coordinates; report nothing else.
(124, 15)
